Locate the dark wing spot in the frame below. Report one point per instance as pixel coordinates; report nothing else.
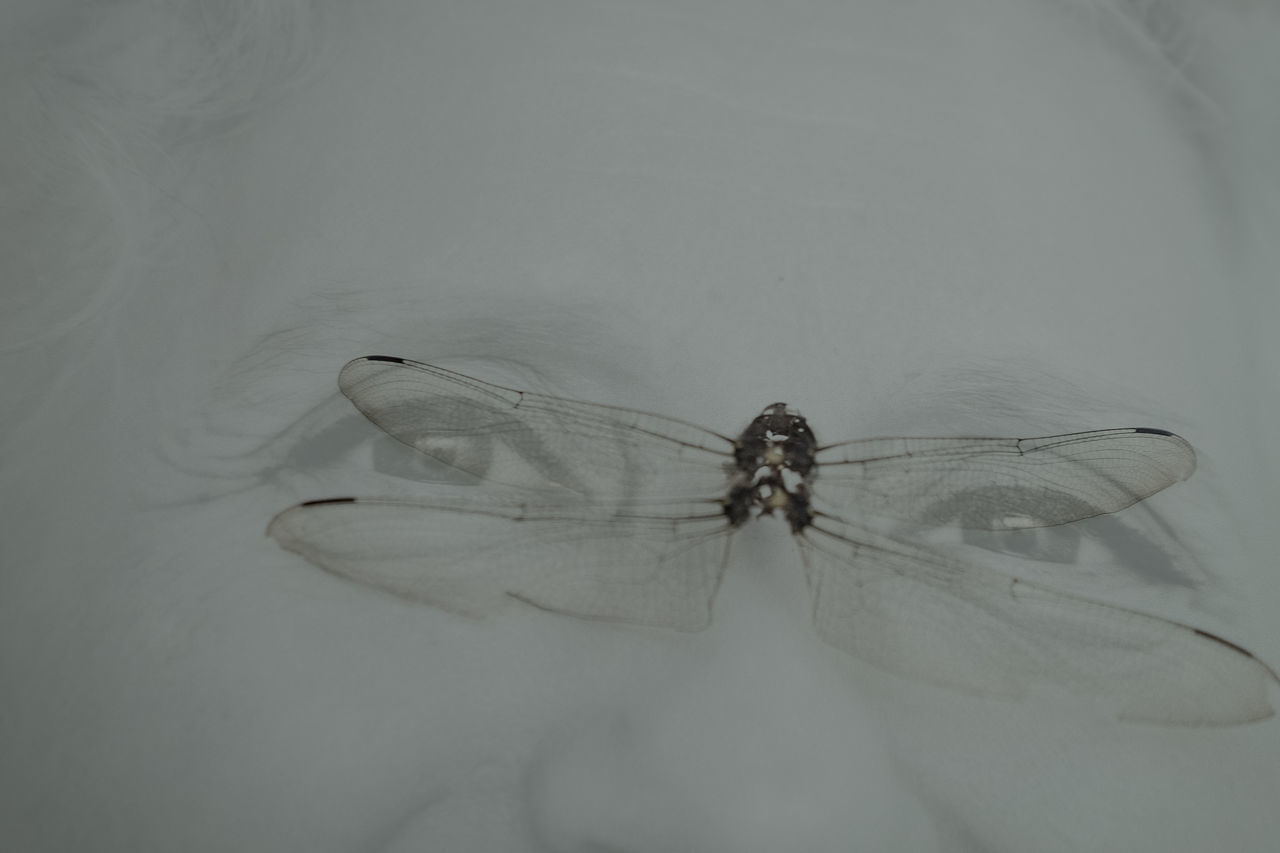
(1241, 650)
(1226, 643)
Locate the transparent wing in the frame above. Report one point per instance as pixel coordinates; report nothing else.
(918, 614)
(1000, 483)
(653, 565)
(536, 441)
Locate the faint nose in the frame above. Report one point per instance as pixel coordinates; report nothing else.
(625, 783)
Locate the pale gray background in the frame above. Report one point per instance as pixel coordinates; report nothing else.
(903, 217)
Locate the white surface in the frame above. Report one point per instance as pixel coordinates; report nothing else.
(990, 217)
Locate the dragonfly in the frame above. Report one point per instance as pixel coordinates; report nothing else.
(609, 513)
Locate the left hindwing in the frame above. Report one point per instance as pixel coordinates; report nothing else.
(647, 564)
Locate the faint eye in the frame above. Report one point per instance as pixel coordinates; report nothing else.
(349, 441)
(1060, 544)
(392, 458)
(1009, 521)
(1012, 521)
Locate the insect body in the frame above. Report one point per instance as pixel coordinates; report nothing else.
(774, 458)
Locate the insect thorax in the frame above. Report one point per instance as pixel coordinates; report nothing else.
(773, 462)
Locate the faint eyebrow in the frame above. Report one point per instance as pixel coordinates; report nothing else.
(979, 395)
(1164, 35)
(967, 396)
(337, 324)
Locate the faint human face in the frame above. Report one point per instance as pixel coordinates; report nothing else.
(988, 221)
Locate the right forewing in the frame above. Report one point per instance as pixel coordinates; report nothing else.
(999, 483)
